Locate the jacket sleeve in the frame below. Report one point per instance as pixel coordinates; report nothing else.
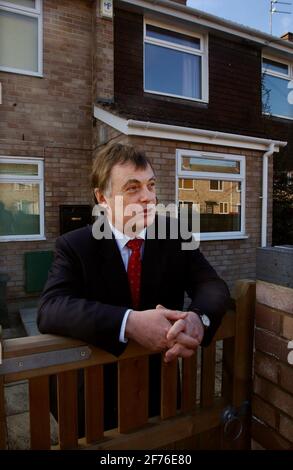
(208, 292)
(64, 310)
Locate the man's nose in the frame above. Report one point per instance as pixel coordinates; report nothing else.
(146, 195)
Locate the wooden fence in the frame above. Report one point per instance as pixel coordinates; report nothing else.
(199, 424)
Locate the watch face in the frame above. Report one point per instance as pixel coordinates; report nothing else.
(205, 320)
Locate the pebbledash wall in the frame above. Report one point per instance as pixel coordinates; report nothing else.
(50, 117)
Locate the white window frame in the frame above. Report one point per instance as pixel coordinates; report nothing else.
(225, 207)
(220, 186)
(27, 179)
(241, 177)
(33, 13)
(186, 189)
(284, 76)
(202, 52)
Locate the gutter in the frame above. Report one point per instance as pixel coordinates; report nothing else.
(180, 133)
(188, 14)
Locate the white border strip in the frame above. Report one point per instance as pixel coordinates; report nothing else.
(186, 134)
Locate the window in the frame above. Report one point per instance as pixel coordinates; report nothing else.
(21, 199)
(218, 182)
(277, 88)
(175, 62)
(216, 185)
(21, 36)
(224, 208)
(186, 184)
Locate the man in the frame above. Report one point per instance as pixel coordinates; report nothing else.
(112, 282)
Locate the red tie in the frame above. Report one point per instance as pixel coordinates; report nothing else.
(134, 270)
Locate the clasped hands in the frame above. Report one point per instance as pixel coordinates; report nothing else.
(160, 329)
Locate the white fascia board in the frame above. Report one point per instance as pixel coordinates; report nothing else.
(207, 20)
(185, 134)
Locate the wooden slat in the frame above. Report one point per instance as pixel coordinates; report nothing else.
(208, 370)
(245, 306)
(228, 369)
(189, 380)
(39, 406)
(2, 415)
(227, 327)
(94, 403)
(162, 433)
(168, 388)
(67, 409)
(133, 386)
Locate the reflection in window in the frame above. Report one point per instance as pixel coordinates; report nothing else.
(276, 88)
(218, 212)
(174, 63)
(20, 200)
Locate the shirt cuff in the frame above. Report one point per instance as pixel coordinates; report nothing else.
(122, 338)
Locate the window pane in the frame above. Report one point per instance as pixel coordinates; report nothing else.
(172, 36)
(219, 212)
(172, 72)
(210, 165)
(23, 3)
(19, 210)
(18, 41)
(276, 96)
(275, 66)
(21, 169)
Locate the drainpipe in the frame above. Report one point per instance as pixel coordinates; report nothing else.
(265, 177)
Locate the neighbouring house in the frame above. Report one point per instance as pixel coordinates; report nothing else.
(207, 99)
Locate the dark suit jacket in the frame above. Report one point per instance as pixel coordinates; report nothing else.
(87, 291)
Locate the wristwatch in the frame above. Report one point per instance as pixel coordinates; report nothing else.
(204, 318)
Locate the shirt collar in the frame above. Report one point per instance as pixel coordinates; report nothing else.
(123, 239)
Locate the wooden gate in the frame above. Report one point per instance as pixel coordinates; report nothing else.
(215, 390)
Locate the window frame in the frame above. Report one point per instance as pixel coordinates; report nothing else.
(27, 179)
(33, 13)
(220, 186)
(241, 177)
(273, 73)
(202, 52)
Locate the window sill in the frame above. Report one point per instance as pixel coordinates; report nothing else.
(22, 239)
(215, 237)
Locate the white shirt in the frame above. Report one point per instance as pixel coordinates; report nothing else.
(122, 240)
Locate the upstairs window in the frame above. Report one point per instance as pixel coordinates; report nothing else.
(277, 88)
(175, 63)
(21, 36)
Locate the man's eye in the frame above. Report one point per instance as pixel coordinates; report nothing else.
(152, 185)
(131, 189)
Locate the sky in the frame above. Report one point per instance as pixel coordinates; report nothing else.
(252, 13)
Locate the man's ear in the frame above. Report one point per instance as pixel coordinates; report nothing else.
(99, 196)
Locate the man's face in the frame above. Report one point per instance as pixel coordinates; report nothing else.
(132, 198)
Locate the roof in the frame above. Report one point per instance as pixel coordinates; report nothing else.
(212, 22)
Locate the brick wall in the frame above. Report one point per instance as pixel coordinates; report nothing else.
(103, 56)
(51, 118)
(272, 426)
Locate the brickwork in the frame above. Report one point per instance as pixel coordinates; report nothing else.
(103, 56)
(273, 375)
(51, 118)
